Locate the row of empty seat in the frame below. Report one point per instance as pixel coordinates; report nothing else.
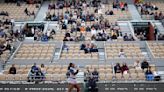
(120, 77)
(17, 12)
(157, 49)
(24, 77)
(35, 51)
(29, 66)
(5, 56)
(131, 51)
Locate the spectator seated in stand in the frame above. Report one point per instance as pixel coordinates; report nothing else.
(144, 65)
(50, 33)
(5, 46)
(44, 37)
(35, 74)
(31, 75)
(102, 36)
(122, 54)
(89, 48)
(28, 13)
(43, 70)
(124, 69)
(51, 6)
(109, 12)
(39, 76)
(117, 68)
(4, 13)
(48, 16)
(157, 77)
(87, 74)
(82, 47)
(137, 65)
(114, 36)
(12, 69)
(95, 74)
(81, 37)
(128, 38)
(54, 17)
(149, 74)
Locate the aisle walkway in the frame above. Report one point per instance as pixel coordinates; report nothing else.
(124, 28)
(135, 14)
(159, 26)
(42, 12)
(129, 1)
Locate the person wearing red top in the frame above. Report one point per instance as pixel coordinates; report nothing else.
(122, 5)
(124, 68)
(136, 1)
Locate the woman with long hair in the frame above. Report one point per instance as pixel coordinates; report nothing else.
(72, 78)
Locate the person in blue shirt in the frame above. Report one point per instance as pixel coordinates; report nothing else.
(34, 68)
(32, 72)
(149, 74)
(44, 37)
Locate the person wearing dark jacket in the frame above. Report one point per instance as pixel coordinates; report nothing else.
(144, 64)
(117, 68)
(92, 85)
(95, 74)
(148, 71)
(12, 70)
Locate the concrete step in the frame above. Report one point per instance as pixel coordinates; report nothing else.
(42, 12)
(124, 28)
(80, 77)
(134, 12)
(146, 56)
(56, 54)
(159, 27)
(161, 73)
(101, 56)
